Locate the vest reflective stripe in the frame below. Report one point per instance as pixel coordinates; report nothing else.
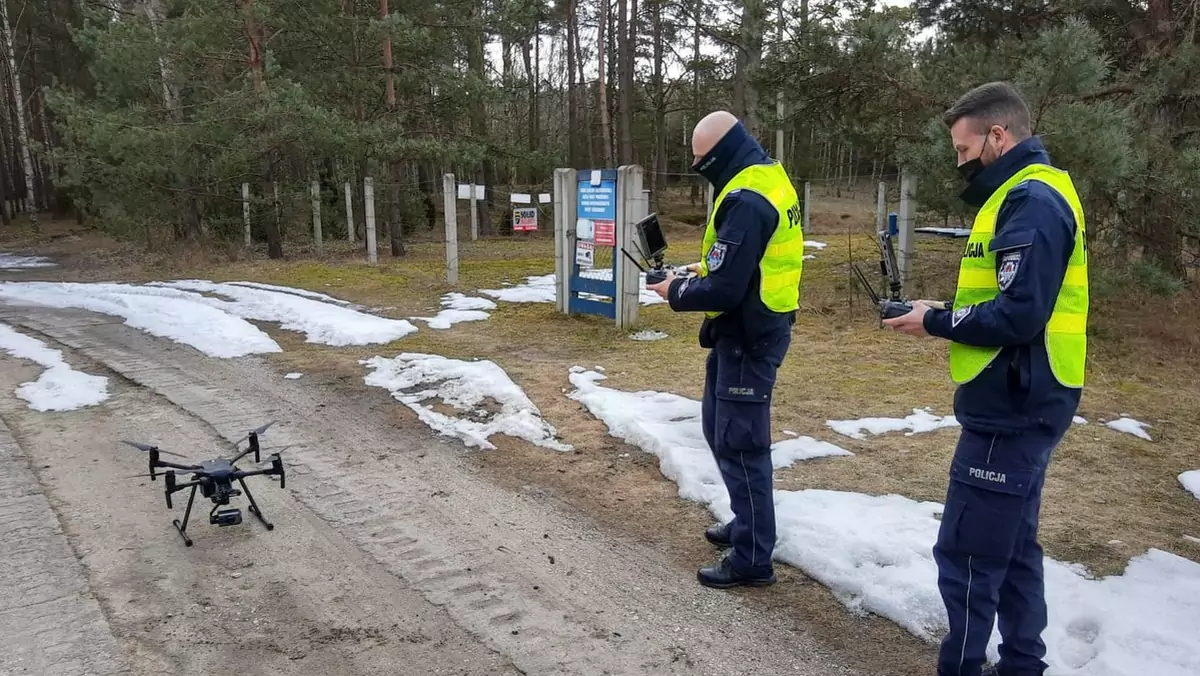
(1066, 331)
(783, 262)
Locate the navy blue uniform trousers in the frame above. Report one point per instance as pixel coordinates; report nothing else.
(988, 557)
(736, 415)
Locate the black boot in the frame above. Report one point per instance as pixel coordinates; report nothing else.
(719, 535)
(723, 576)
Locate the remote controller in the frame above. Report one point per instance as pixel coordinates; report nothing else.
(890, 309)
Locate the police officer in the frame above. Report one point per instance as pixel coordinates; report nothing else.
(748, 287)
(1017, 335)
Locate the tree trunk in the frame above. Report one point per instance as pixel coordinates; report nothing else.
(396, 170)
(19, 102)
(749, 59)
(254, 38)
(658, 176)
(697, 7)
(573, 154)
(479, 117)
(606, 154)
(185, 202)
(626, 27)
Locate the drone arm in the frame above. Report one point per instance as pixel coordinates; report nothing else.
(172, 465)
(239, 456)
(276, 469)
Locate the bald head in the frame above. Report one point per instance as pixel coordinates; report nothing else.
(709, 132)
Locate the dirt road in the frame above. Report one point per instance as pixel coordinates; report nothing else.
(389, 556)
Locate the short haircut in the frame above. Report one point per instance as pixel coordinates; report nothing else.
(991, 104)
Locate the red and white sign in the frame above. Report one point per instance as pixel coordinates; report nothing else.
(525, 220)
(606, 233)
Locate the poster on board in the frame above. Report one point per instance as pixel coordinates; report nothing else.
(585, 254)
(525, 219)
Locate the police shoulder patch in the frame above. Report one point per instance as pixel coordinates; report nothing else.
(959, 315)
(1009, 263)
(716, 256)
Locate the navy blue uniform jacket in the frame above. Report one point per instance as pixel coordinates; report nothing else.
(745, 224)
(1018, 393)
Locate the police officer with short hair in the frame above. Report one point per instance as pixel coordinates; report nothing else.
(748, 287)
(1018, 343)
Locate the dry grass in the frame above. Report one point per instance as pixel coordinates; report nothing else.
(1102, 486)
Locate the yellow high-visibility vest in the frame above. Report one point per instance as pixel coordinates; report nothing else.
(1066, 331)
(783, 262)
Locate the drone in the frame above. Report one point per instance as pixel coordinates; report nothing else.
(214, 479)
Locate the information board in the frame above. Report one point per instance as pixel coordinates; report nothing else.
(525, 219)
(596, 228)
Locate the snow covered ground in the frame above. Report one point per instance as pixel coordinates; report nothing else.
(1190, 480)
(647, 335)
(458, 308)
(60, 387)
(1130, 426)
(875, 552)
(921, 420)
(180, 311)
(10, 261)
(473, 388)
(542, 289)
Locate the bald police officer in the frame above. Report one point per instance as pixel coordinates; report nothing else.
(748, 287)
(1017, 351)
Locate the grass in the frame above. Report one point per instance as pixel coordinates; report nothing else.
(1108, 496)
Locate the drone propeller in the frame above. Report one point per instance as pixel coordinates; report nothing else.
(254, 432)
(147, 448)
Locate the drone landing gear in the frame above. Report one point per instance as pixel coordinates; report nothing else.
(181, 527)
(220, 517)
(254, 507)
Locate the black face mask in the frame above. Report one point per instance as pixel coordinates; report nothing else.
(971, 168)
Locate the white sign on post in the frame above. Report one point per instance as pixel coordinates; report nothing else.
(521, 198)
(479, 193)
(584, 228)
(544, 198)
(464, 191)
(585, 254)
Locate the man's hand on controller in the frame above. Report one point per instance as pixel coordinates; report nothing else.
(663, 288)
(912, 323)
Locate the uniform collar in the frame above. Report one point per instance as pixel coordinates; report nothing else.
(733, 153)
(1027, 152)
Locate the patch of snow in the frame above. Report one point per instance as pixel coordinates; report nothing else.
(1079, 420)
(815, 245)
(668, 425)
(648, 335)
(322, 323)
(294, 291)
(790, 451)
(1130, 426)
(467, 387)
(789, 433)
(808, 257)
(921, 420)
(1190, 480)
(1191, 538)
(60, 387)
(15, 262)
(544, 289)
(294, 376)
(167, 313)
(953, 232)
(458, 301)
(535, 289)
(875, 554)
(459, 308)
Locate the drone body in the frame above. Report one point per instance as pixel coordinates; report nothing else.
(214, 479)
